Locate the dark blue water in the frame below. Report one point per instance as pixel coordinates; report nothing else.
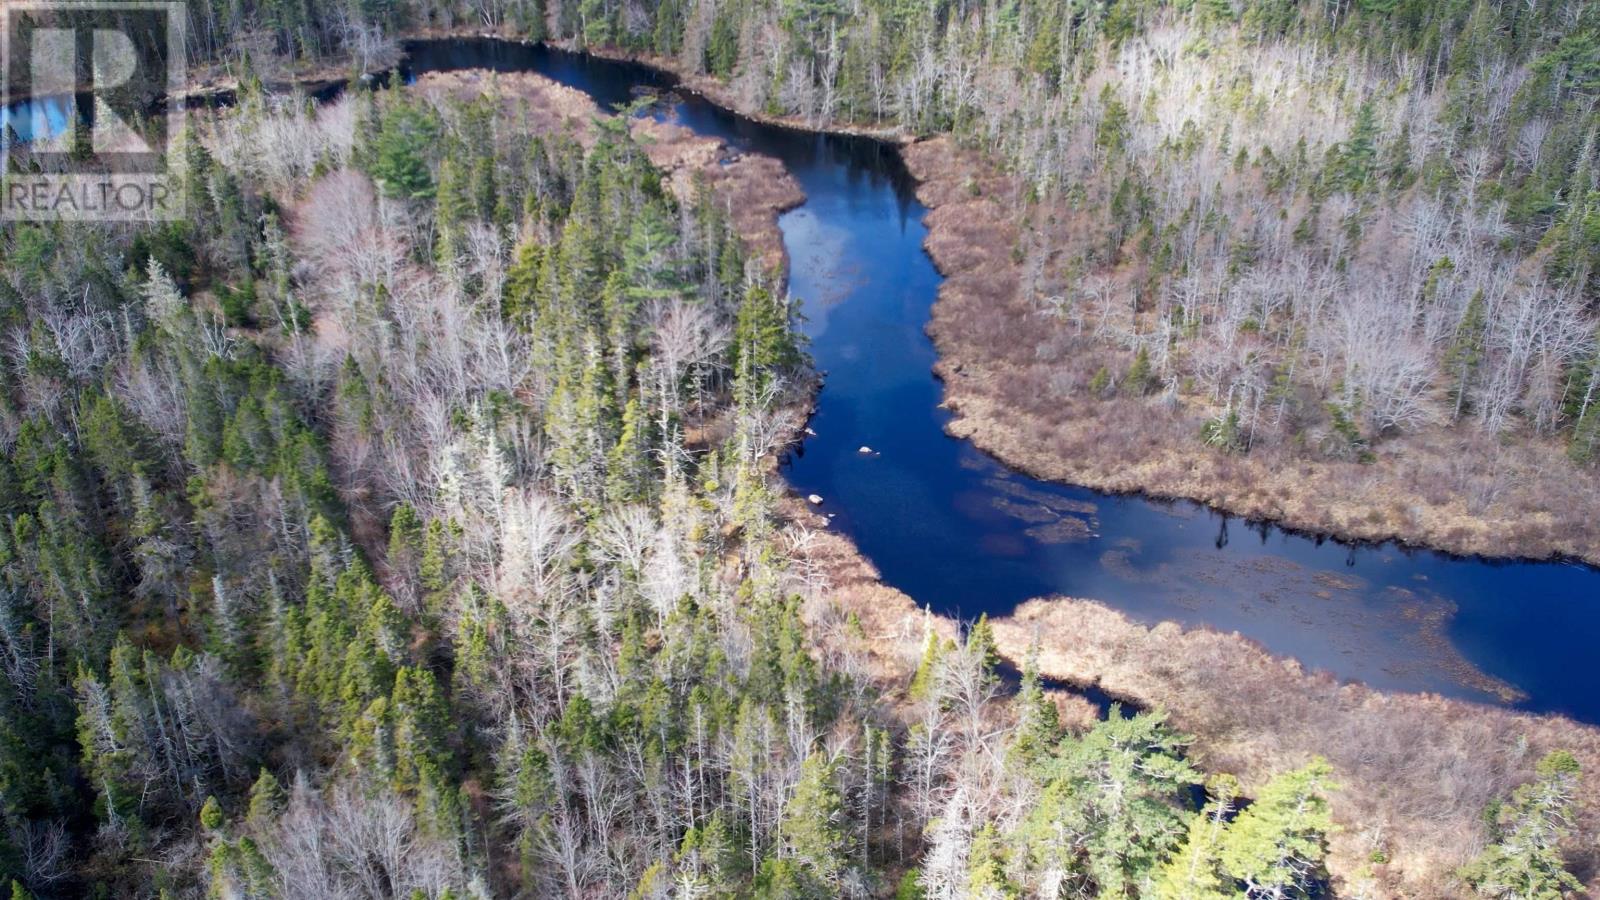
(956, 530)
(31, 120)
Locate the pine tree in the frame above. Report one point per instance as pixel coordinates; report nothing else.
(518, 295)
(1038, 720)
(925, 681)
(980, 640)
(1195, 871)
(986, 870)
(453, 210)
(1358, 157)
(628, 464)
(722, 50)
(405, 543)
(400, 157)
(266, 800)
(649, 257)
(1277, 845)
(1525, 861)
(762, 340)
(211, 816)
(813, 822)
(1140, 377)
(1216, 10)
(421, 729)
(1465, 353)
(708, 859)
(1112, 808)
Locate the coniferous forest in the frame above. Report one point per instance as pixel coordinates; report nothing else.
(405, 522)
(375, 557)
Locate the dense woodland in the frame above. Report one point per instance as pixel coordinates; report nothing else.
(1331, 221)
(402, 524)
(356, 546)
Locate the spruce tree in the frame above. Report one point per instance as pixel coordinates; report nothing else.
(1525, 861)
(1112, 808)
(812, 827)
(1278, 844)
(1465, 353)
(1038, 720)
(1195, 871)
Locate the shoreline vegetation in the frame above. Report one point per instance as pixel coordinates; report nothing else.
(1004, 383)
(1253, 714)
(981, 313)
(984, 329)
(1484, 471)
(1024, 383)
(1415, 771)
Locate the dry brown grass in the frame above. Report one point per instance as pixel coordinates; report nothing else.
(893, 624)
(1416, 770)
(1018, 388)
(753, 188)
(543, 106)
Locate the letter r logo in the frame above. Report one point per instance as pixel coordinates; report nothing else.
(94, 93)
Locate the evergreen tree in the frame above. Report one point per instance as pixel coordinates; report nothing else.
(1038, 720)
(763, 342)
(813, 819)
(1525, 862)
(266, 800)
(1358, 157)
(400, 156)
(1140, 379)
(1195, 872)
(1465, 353)
(981, 642)
(925, 681)
(1277, 845)
(453, 209)
(649, 256)
(986, 871)
(1111, 811)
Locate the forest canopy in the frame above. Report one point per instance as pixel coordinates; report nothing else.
(403, 523)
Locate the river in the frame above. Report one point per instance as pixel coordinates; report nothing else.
(962, 533)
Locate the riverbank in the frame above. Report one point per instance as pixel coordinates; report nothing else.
(719, 94)
(1021, 386)
(1019, 389)
(1415, 771)
(754, 189)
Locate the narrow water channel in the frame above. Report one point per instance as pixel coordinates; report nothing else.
(957, 531)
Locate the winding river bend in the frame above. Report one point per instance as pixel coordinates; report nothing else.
(963, 534)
